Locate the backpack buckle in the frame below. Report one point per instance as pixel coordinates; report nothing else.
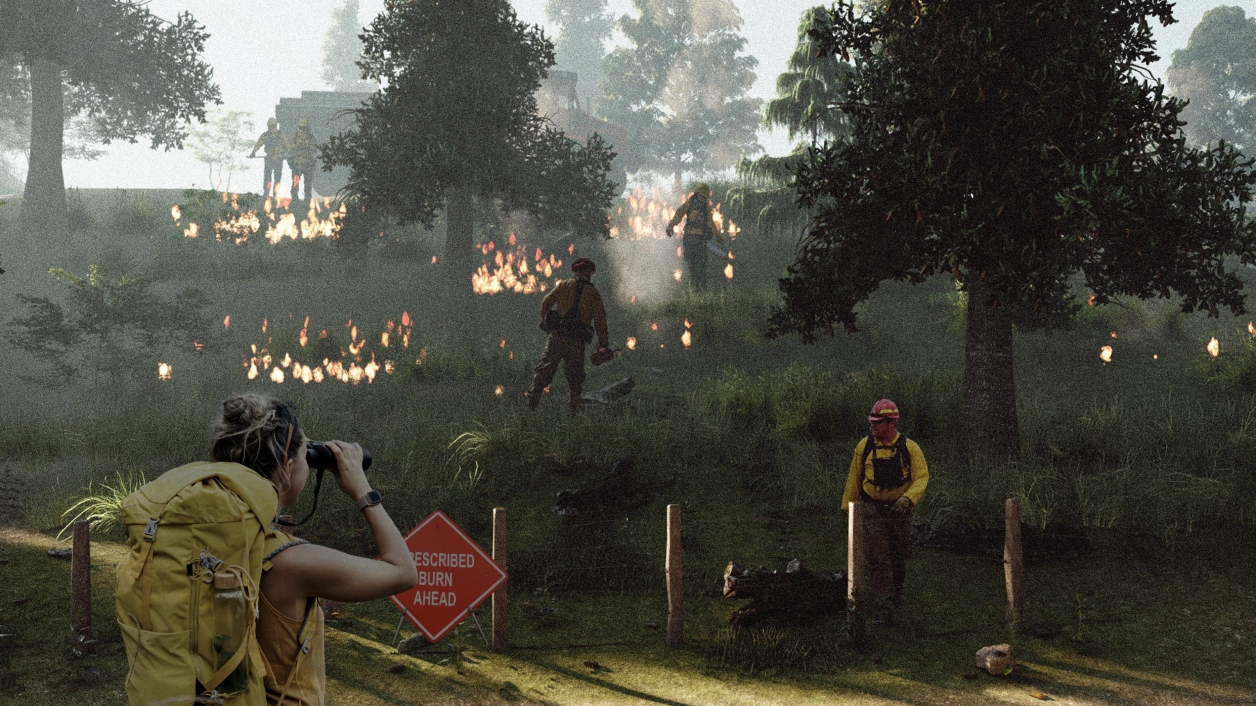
(150, 532)
(305, 646)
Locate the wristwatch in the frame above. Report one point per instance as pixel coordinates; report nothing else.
(372, 497)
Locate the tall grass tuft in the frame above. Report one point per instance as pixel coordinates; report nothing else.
(103, 508)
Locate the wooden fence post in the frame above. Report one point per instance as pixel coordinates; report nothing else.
(675, 590)
(1013, 566)
(500, 598)
(855, 568)
(81, 588)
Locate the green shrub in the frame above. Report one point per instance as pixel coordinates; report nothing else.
(134, 214)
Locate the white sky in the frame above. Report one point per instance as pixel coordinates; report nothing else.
(263, 51)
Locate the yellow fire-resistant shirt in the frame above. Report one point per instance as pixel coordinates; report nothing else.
(272, 142)
(591, 309)
(915, 475)
(692, 227)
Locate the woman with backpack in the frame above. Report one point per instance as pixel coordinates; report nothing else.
(243, 622)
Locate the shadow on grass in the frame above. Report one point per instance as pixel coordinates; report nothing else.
(594, 681)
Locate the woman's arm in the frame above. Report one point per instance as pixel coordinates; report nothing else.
(306, 570)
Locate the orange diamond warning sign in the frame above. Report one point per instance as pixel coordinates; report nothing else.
(455, 576)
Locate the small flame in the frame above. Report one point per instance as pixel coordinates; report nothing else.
(1090, 301)
(686, 338)
(264, 324)
(512, 238)
(175, 213)
(226, 321)
(654, 326)
(503, 344)
(163, 371)
(728, 270)
(1214, 347)
(198, 345)
(287, 360)
(680, 251)
(276, 376)
(252, 370)
(571, 249)
(633, 300)
(500, 389)
(191, 231)
(1155, 356)
(383, 339)
(632, 343)
(433, 259)
(1105, 354)
(323, 334)
(1112, 334)
(1251, 328)
(677, 275)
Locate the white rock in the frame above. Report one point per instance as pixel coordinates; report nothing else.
(996, 659)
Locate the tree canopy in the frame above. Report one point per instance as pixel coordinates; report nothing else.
(131, 73)
(455, 120)
(1011, 144)
(341, 50)
(1216, 73)
(680, 87)
(584, 27)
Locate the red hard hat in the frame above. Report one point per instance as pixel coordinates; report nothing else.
(883, 409)
(583, 264)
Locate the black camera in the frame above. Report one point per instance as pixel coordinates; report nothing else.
(320, 457)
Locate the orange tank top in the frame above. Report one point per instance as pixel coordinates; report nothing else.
(278, 638)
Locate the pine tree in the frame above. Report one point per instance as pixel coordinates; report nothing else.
(584, 26)
(805, 105)
(342, 49)
(680, 87)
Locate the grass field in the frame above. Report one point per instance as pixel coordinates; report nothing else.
(1148, 457)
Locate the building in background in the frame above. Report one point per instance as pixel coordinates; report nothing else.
(329, 113)
(558, 100)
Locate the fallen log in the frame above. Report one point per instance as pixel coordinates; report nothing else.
(794, 594)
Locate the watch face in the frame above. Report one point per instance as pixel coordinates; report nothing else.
(373, 497)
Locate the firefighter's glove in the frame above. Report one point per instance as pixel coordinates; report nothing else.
(602, 355)
(903, 506)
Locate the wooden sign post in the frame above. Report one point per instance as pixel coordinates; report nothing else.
(500, 600)
(855, 563)
(1013, 566)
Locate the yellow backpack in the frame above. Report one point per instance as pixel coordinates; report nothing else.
(188, 589)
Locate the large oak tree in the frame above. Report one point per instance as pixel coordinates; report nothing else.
(131, 73)
(456, 119)
(1011, 143)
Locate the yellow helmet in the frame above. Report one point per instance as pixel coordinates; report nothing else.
(271, 122)
(702, 190)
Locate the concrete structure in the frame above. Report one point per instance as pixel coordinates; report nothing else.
(329, 113)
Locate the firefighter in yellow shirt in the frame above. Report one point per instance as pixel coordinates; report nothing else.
(273, 142)
(571, 314)
(300, 152)
(888, 474)
(699, 215)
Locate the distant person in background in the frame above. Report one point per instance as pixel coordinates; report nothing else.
(888, 475)
(272, 167)
(699, 216)
(578, 311)
(300, 151)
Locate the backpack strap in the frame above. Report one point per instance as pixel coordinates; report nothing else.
(304, 640)
(574, 312)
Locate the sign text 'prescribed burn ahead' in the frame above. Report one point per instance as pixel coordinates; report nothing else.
(455, 576)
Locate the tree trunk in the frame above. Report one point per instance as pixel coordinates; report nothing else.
(459, 239)
(44, 199)
(988, 408)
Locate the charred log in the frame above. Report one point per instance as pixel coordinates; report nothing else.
(792, 595)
